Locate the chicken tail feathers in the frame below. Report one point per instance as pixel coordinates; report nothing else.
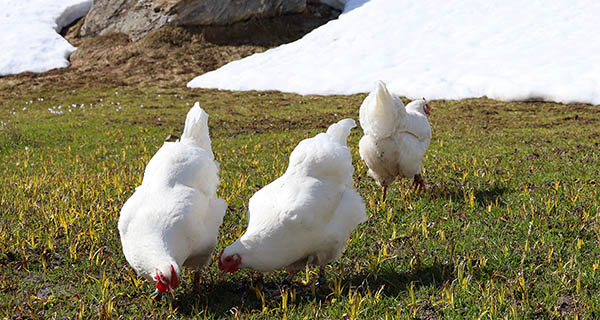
(195, 131)
(380, 111)
(382, 95)
(341, 130)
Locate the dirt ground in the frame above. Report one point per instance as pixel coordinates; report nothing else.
(168, 57)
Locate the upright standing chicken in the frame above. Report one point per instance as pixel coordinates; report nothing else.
(173, 218)
(396, 137)
(305, 216)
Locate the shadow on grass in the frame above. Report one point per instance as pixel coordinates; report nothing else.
(482, 197)
(394, 283)
(225, 297)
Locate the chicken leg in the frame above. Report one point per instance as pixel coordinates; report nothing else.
(197, 281)
(322, 279)
(419, 183)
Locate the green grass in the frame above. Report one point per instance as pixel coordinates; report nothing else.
(509, 227)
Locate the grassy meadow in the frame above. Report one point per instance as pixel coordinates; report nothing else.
(508, 228)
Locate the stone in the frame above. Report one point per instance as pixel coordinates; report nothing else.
(138, 17)
(224, 12)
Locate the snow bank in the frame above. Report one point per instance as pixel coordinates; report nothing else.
(440, 49)
(30, 39)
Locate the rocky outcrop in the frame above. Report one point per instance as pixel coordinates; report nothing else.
(223, 12)
(138, 17)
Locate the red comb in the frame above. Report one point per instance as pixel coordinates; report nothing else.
(174, 281)
(221, 263)
(161, 287)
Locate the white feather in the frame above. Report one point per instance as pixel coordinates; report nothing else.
(173, 218)
(307, 214)
(395, 137)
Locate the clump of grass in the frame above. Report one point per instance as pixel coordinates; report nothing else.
(509, 227)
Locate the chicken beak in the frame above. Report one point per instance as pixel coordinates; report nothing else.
(172, 292)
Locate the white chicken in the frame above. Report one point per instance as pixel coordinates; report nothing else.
(306, 216)
(173, 217)
(395, 137)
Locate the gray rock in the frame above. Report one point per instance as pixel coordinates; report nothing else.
(336, 4)
(138, 17)
(223, 12)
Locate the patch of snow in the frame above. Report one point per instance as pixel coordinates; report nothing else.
(30, 39)
(440, 49)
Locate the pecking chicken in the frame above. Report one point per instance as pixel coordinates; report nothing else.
(395, 137)
(173, 217)
(306, 216)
